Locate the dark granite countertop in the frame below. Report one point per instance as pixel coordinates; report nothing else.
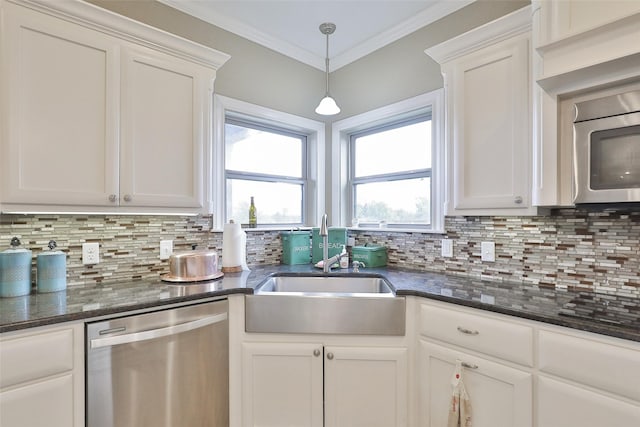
(587, 311)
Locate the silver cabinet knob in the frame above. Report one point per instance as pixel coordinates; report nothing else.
(330, 356)
(518, 200)
(316, 352)
(113, 198)
(127, 198)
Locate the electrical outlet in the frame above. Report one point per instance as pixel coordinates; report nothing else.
(166, 249)
(447, 248)
(487, 299)
(488, 251)
(90, 253)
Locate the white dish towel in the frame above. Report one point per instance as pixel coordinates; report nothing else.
(460, 406)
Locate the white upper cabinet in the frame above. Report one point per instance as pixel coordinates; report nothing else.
(585, 43)
(59, 141)
(102, 113)
(581, 47)
(163, 127)
(487, 82)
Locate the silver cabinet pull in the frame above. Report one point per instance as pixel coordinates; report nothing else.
(127, 198)
(467, 331)
(469, 365)
(113, 198)
(330, 356)
(518, 200)
(316, 352)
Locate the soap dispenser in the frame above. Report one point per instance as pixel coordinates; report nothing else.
(344, 258)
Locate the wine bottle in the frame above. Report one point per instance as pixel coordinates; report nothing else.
(253, 215)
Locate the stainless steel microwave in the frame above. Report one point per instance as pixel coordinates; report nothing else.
(606, 149)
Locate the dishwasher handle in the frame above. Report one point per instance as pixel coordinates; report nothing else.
(157, 333)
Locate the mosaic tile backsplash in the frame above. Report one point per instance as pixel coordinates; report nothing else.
(596, 250)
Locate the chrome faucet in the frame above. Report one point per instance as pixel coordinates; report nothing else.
(326, 261)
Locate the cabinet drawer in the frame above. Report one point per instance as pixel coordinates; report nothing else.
(499, 338)
(32, 356)
(602, 365)
(562, 405)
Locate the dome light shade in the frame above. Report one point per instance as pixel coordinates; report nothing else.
(327, 106)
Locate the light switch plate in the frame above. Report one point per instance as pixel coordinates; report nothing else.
(90, 253)
(488, 251)
(447, 248)
(166, 249)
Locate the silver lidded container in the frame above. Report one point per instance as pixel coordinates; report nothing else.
(193, 266)
(15, 270)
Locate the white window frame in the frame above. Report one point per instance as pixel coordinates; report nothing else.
(315, 133)
(341, 197)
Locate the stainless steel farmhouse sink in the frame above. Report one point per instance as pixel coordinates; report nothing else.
(353, 304)
(326, 284)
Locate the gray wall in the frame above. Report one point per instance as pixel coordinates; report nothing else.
(401, 69)
(264, 77)
(254, 73)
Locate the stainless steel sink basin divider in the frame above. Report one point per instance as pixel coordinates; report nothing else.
(334, 303)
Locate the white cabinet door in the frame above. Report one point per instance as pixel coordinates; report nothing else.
(60, 103)
(164, 101)
(490, 138)
(561, 404)
(46, 403)
(282, 384)
(42, 377)
(365, 386)
(500, 396)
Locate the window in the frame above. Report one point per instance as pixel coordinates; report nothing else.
(268, 164)
(272, 156)
(390, 174)
(391, 166)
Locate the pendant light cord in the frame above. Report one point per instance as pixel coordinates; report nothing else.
(326, 64)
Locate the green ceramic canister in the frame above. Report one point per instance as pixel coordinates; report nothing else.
(51, 270)
(15, 271)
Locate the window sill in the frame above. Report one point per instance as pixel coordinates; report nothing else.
(398, 230)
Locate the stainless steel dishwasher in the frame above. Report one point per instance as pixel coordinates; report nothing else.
(166, 368)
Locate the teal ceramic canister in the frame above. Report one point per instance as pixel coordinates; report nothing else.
(15, 271)
(51, 270)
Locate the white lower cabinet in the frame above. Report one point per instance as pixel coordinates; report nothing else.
(561, 405)
(282, 384)
(587, 380)
(42, 377)
(501, 396)
(288, 384)
(365, 386)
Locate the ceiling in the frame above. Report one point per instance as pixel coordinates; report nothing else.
(291, 26)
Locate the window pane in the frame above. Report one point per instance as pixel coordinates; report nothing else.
(263, 152)
(402, 149)
(276, 203)
(403, 201)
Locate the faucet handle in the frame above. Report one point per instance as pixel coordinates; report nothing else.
(357, 265)
(324, 231)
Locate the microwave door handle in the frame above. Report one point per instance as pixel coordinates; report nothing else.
(157, 333)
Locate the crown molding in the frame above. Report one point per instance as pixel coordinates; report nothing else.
(199, 10)
(503, 28)
(107, 22)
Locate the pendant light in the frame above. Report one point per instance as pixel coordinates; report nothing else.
(327, 106)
